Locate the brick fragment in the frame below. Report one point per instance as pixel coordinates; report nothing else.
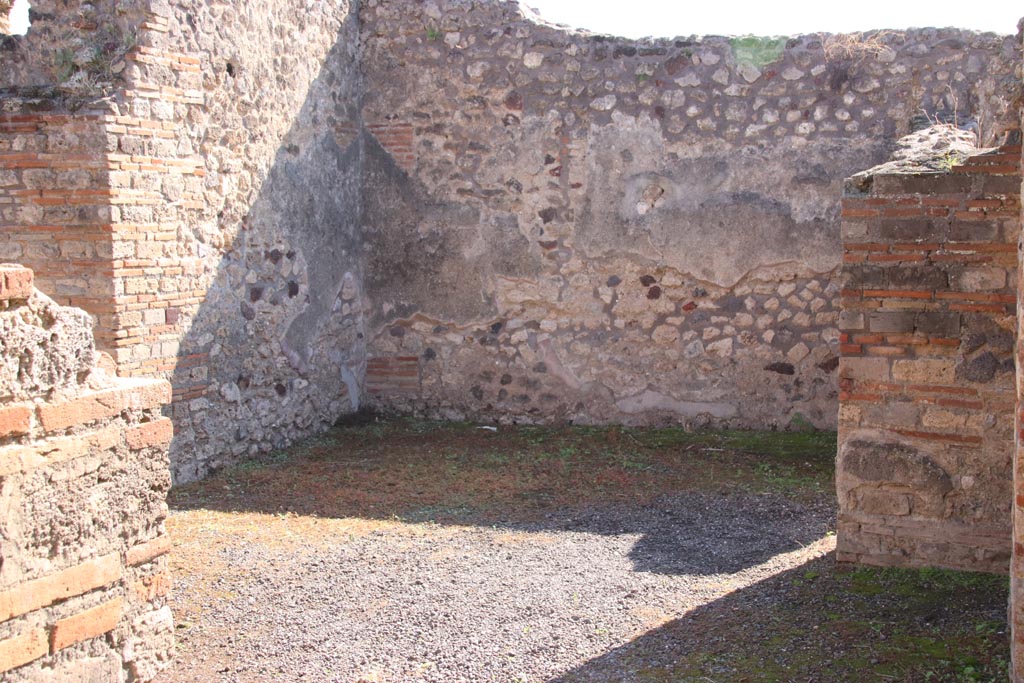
(85, 625)
(15, 283)
(15, 419)
(155, 433)
(22, 649)
(147, 552)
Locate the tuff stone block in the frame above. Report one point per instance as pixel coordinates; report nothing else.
(892, 321)
(942, 323)
(63, 418)
(924, 371)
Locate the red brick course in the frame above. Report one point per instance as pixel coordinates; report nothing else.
(47, 590)
(86, 625)
(98, 405)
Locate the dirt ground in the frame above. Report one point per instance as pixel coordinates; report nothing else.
(403, 550)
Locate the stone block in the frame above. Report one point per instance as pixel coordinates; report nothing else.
(975, 231)
(920, 183)
(939, 323)
(978, 279)
(891, 322)
(907, 230)
(885, 503)
(16, 458)
(942, 420)
(879, 463)
(982, 368)
(851, 320)
(872, 369)
(925, 371)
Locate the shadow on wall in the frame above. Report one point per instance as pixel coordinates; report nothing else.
(276, 349)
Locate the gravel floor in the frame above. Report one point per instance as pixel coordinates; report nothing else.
(310, 600)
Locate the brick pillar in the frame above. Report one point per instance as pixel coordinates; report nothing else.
(1017, 565)
(926, 374)
(56, 204)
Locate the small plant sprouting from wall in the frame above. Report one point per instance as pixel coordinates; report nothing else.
(951, 159)
(91, 56)
(644, 72)
(757, 51)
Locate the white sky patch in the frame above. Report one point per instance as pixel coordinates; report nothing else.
(672, 18)
(19, 17)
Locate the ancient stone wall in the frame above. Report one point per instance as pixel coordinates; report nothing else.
(927, 370)
(208, 215)
(273, 348)
(569, 226)
(83, 461)
(546, 225)
(76, 44)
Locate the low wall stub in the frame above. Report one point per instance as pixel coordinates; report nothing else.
(83, 484)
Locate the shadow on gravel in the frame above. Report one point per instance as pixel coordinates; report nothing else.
(400, 538)
(817, 622)
(699, 504)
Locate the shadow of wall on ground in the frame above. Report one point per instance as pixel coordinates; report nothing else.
(684, 521)
(815, 622)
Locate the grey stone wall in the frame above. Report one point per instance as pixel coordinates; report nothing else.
(570, 226)
(275, 349)
(210, 216)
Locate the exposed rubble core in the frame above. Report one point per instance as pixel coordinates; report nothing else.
(84, 469)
